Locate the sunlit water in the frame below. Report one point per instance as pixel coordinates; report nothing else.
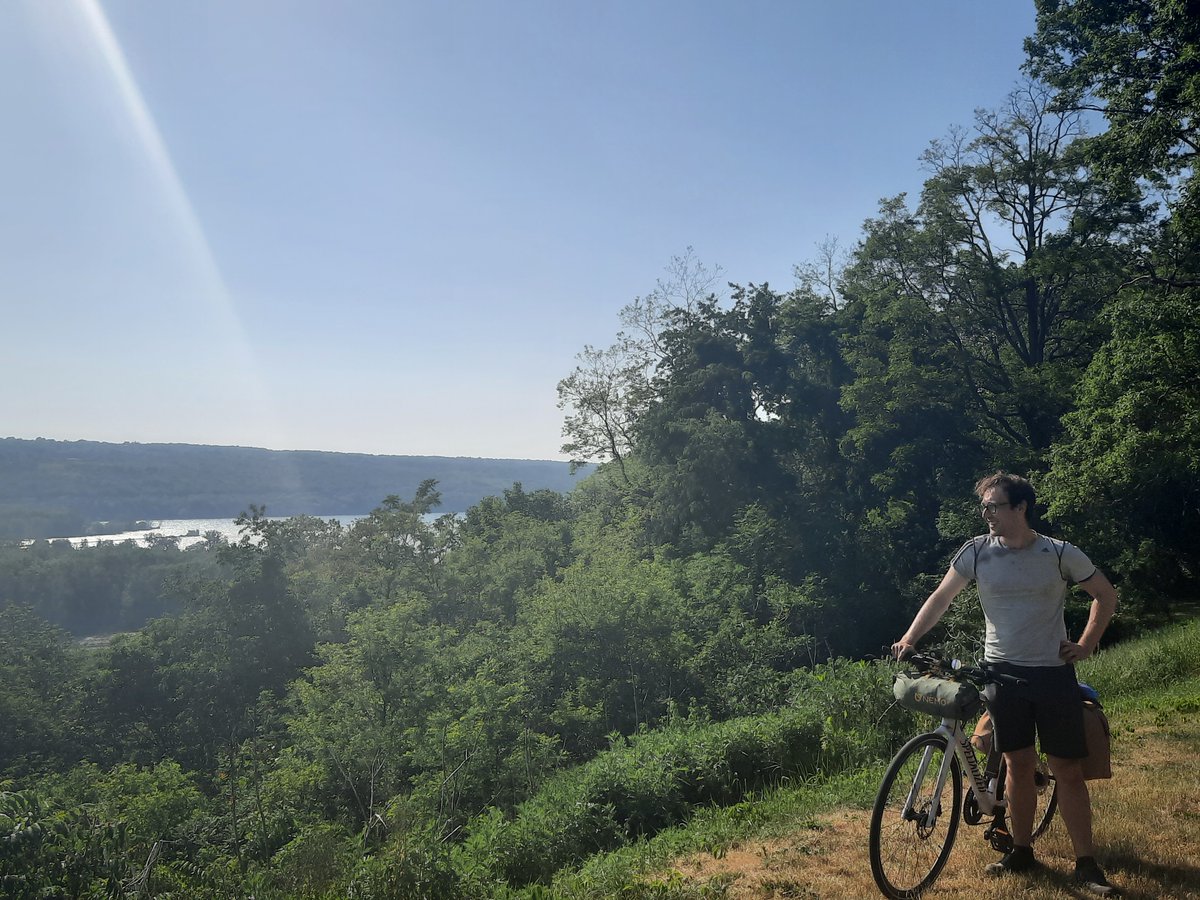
(188, 531)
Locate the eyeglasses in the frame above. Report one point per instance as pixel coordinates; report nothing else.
(991, 507)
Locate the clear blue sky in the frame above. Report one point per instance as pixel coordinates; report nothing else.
(388, 227)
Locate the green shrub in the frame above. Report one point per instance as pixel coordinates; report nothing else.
(47, 851)
(417, 866)
(314, 860)
(558, 826)
(862, 719)
(641, 786)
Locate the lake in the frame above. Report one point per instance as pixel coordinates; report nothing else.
(189, 531)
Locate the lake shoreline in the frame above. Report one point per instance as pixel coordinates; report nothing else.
(186, 532)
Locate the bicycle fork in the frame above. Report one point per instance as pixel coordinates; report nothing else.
(984, 793)
(926, 818)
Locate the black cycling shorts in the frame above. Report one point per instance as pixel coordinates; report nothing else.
(1049, 704)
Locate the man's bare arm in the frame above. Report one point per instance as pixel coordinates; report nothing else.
(931, 611)
(1104, 604)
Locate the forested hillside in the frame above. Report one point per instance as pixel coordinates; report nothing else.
(57, 485)
(451, 707)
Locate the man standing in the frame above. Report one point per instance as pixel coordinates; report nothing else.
(1022, 578)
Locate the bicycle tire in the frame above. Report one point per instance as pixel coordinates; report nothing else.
(906, 854)
(1046, 794)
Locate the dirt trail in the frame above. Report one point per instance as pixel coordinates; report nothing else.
(1147, 824)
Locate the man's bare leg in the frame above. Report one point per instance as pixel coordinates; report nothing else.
(1074, 803)
(1021, 791)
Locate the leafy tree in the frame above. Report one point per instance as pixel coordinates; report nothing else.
(1134, 62)
(1007, 256)
(745, 413)
(1125, 471)
(409, 721)
(41, 671)
(609, 390)
(606, 647)
(184, 687)
(506, 546)
(1128, 473)
(970, 321)
(358, 711)
(604, 396)
(914, 442)
(822, 276)
(480, 747)
(749, 631)
(396, 549)
(157, 804)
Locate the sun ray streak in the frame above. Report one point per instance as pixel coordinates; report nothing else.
(213, 290)
(151, 142)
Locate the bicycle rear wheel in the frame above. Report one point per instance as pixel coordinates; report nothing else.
(908, 851)
(1045, 793)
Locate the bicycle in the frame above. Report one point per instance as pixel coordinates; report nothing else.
(915, 817)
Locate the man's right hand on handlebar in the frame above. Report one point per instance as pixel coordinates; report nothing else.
(902, 649)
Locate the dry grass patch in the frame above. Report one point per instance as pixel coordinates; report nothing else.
(1147, 831)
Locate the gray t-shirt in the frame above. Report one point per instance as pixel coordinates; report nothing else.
(1022, 593)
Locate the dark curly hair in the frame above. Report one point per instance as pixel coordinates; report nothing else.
(1016, 489)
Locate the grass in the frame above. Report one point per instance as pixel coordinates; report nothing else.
(647, 869)
(809, 841)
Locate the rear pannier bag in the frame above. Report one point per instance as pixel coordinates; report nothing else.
(1098, 763)
(936, 696)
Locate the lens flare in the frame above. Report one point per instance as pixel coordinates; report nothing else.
(79, 33)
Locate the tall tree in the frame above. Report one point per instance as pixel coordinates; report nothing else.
(1134, 62)
(745, 412)
(606, 647)
(610, 389)
(1015, 262)
(1126, 470)
(508, 544)
(396, 549)
(1127, 473)
(183, 686)
(971, 318)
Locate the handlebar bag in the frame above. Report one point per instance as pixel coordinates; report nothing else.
(939, 697)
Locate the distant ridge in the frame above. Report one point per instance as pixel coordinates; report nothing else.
(104, 481)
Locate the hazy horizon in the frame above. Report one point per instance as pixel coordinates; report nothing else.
(283, 449)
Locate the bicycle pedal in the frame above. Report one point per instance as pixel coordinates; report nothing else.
(998, 835)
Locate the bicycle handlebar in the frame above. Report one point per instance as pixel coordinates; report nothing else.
(980, 675)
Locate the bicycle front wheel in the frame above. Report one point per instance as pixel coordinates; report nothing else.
(909, 842)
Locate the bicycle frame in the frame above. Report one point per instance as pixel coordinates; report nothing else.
(985, 793)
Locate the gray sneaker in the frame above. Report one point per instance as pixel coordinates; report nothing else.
(1090, 877)
(1019, 859)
